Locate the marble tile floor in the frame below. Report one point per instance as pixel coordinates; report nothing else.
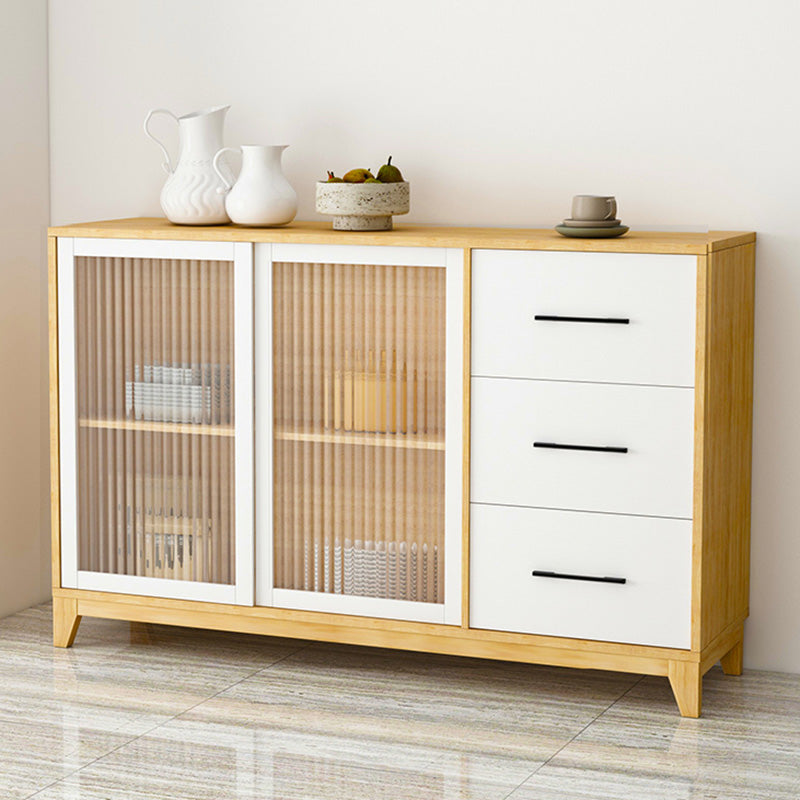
(148, 712)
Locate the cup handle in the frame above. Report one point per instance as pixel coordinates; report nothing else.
(167, 165)
(612, 208)
(215, 164)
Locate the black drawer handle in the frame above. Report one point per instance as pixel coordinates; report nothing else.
(540, 573)
(589, 447)
(560, 318)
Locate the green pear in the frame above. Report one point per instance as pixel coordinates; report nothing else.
(333, 179)
(372, 180)
(357, 176)
(389, 174)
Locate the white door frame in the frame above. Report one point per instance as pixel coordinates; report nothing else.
(241, 254)
(452, 260)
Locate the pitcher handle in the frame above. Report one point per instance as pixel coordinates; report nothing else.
(215, 164)
(167, 165)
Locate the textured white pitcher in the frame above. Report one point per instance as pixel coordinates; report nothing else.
(261, 195)
(190, 195)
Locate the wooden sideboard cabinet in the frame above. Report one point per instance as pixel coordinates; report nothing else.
(493, 443)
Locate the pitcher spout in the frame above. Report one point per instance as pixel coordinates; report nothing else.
(206, 112)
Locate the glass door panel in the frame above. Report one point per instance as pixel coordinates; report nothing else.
(154, 384)
(359, 430)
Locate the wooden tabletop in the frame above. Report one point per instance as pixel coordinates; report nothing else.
(411, 236)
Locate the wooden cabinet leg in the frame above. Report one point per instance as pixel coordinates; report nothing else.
(687, 686)
(66, 620)
(732, 660)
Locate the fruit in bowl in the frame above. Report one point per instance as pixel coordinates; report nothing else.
(357, 176)
(389, 173)
(361, 201)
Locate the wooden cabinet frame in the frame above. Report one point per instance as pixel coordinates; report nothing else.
(722, 459)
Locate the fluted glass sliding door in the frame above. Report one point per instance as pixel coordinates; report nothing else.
(358, 410)
(156, 422)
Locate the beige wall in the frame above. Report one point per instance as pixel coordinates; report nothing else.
(497, 112)
(24, 210)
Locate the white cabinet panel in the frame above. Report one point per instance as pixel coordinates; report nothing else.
(655, 424)
(655, 293)
(653, 556)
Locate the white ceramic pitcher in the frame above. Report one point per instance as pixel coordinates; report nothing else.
(261, 195)
(190, 195)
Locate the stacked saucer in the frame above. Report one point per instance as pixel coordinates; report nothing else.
(588, 222)
(592, 228)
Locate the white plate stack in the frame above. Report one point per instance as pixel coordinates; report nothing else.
(177, 394)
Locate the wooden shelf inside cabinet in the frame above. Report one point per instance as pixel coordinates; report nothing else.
(409, 441)
(195, 429)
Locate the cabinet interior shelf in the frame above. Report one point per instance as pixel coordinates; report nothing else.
(409, 441)
(159, 427)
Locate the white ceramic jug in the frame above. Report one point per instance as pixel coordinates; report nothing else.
(261, 195)
(190, 195)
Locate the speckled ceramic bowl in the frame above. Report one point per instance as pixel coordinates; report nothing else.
(363, 206)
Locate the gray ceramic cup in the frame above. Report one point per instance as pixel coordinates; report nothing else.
(593, 207)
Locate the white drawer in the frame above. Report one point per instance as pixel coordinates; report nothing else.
(655, 424)
(656, 293)
(653, 556)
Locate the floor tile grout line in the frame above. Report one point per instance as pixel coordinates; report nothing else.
(164, 722)
(95, 760)
(568, 743)
(621, 697)
(231, 685)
